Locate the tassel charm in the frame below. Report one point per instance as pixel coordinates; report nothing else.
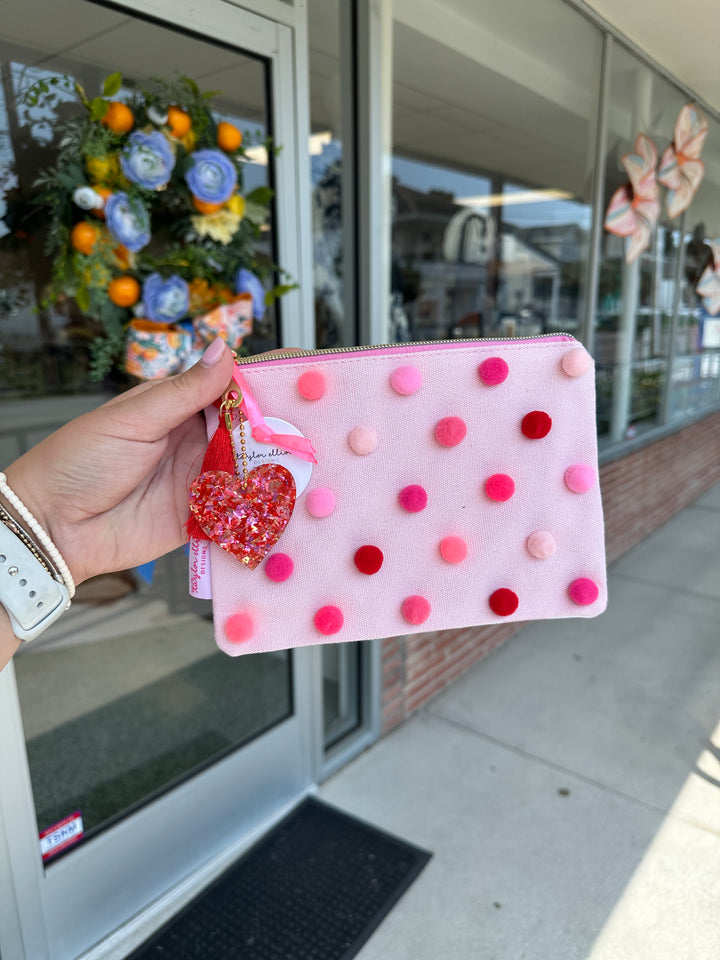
(220, 454)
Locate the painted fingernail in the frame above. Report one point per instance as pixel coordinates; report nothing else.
(213, 353)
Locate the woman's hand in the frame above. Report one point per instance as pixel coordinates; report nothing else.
(111, 487)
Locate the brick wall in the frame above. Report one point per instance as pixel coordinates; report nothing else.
(641, 491)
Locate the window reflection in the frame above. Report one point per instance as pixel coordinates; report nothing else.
(492, 174)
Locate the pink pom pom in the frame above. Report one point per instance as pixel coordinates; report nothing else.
(500, 487)
(453, 549)
(328, 620)
(362, 440)
(311, 385)
(240, 627)
(278, 567)
(576, 362)
(541, 544)
(406, 380)
(583, 591)
(493, 371)
(415, 610)
(320, 502)
(579, 478)
(450, 431)
(413, 498)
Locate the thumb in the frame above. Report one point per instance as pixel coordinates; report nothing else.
(162, 406)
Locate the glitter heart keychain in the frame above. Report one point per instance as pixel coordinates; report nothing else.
(244, 512)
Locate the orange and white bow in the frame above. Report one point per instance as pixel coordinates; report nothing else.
(709, 283)
(634, 207)
(681, 168)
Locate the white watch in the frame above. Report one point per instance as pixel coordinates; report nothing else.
(32, 597)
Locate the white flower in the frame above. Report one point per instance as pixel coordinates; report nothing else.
(157, 116)
(88, 199)
(220, 227)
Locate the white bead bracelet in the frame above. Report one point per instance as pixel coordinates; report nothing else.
(43, 538)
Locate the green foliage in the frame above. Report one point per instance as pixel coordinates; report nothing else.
(89, 156)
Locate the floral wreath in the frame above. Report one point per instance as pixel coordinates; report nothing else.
(151, 231)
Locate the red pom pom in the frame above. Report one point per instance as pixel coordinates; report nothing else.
(328, 620)
(369, 559)
(503, 602)
(413, 498)
(536, 425)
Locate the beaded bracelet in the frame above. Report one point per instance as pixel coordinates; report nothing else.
(43, 538)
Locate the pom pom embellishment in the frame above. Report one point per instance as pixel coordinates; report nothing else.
(279, 567)
(503, 602)
(450, 431)
(362, 440)
(576, 362)
(453, 549)
(413, 498)
(320, 502)
(240, 627)
(579, 478)
(583, 591)
(328, 620)
(406, 380)
(499, 487)
(415, 610)
(493, 371)
(311, 385)
(536, 425)
(541, 544)
(368, 559)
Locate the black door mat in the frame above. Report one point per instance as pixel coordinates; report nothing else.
(314, 888)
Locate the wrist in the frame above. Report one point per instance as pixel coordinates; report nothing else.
(33, 515)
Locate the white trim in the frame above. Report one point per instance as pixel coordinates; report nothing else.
(374, 134)
(278, 10)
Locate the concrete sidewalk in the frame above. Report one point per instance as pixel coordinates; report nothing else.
(569, 785)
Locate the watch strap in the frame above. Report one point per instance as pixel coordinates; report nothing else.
(32, 597)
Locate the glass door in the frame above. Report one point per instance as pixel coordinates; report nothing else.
(131, 751)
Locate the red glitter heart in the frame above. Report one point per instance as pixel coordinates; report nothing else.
(244, 517)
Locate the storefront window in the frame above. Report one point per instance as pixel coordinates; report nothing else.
(495, 108)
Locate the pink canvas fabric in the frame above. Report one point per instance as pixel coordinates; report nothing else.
(534, 544)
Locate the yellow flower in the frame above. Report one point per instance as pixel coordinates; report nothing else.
(103, 169)
(220, 226)
(236, 205)
(189, 140)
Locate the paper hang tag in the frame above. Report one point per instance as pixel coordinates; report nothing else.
(260, 453)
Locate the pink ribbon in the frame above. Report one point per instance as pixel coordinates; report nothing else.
(300, 446)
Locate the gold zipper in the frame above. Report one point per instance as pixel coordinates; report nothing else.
(289, 354)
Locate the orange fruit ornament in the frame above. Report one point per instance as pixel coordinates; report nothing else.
(84, 237)
(179, 122)
(229, 137)
(119, 118)
(124, 291)
(104, 192)
(203, 207)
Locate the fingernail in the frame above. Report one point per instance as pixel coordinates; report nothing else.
(213, 353)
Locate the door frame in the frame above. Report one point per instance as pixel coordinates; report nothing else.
(276, 768)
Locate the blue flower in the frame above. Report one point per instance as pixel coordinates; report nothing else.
(148, 160)
(247, 282)
(212, 178)
(165, 301)
(129, 223)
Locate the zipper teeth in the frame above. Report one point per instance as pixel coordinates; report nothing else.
(287, 354)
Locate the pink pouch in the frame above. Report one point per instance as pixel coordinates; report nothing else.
(455, 485)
